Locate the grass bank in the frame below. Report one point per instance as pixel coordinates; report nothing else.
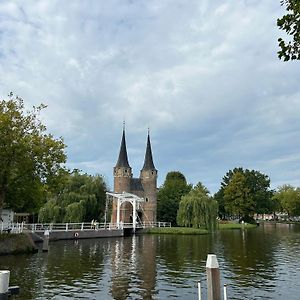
(186, 230)
(225, 226)
(175, 230)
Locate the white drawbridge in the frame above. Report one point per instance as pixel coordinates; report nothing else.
(131, 198)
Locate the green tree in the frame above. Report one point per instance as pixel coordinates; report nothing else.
(288, 199)
(169, 196)
(81, 198)
(259, 192)
(290, 23)
(30, 159)
(237, 197)
(197, 209)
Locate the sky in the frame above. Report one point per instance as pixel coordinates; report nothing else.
(203, 75)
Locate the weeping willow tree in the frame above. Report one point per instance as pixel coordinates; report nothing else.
(197, 209)
(80, 198)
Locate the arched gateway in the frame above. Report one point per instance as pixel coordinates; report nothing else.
(136, 203)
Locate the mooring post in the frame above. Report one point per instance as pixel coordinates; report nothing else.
(4, 282)
(46, 241)
(213, 278)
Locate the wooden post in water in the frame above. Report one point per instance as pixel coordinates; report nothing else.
(4, 283)
(213, 278)
(46, 241)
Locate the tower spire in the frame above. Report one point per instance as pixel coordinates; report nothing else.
(123, 158)
(148, 162)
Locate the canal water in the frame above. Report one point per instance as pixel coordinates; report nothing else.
(262, 263)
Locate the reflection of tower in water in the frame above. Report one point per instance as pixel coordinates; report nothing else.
(133, 268)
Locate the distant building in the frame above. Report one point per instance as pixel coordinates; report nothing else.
(7, 216)
(145, 186)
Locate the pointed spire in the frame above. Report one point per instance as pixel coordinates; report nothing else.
(148, 163)
(123, 159)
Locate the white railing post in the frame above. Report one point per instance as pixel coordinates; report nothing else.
(67, 226)
(225, 291)
(199, 290)
(81, 226)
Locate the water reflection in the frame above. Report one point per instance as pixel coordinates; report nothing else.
(257, 264)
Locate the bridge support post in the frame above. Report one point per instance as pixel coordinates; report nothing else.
(118, 213)
(134, 215)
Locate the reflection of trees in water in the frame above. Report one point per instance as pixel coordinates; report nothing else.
(180, 251)
(133, 268)
(288, 241)
(65, 263)
(74, 260)
(23, 272)
(249, 255)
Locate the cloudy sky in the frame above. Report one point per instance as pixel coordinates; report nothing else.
(203, 75)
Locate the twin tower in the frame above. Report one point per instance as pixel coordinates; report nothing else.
(144, 187)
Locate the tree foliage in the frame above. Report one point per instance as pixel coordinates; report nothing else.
(244, 192)
(237, 197)
(197, 209)
(169, 196)
(288, 200)
(81, 199)
(290, 23)
(30, 159)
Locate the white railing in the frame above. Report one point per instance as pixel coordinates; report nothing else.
(11, 227)
(20, 227)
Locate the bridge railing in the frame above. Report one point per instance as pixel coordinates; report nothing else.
(20, 227)
(11, 227)
(65, 226)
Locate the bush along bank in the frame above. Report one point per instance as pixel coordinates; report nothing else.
(16, 244)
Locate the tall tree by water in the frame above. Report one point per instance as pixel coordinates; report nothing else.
(290, 23)
(169, 196)
(237, 197)
(250, 189)
(287, 198)
(30, 158)
(81, 198)
(197, 209)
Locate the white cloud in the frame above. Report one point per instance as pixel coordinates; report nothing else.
(203, 75)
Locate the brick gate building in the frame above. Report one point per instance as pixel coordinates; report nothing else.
(144, 187)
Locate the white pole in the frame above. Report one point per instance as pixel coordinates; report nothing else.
(118, 213)
(105, 215)
(134, 214)
(4, 281)
(199, 290)
(225, 291)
